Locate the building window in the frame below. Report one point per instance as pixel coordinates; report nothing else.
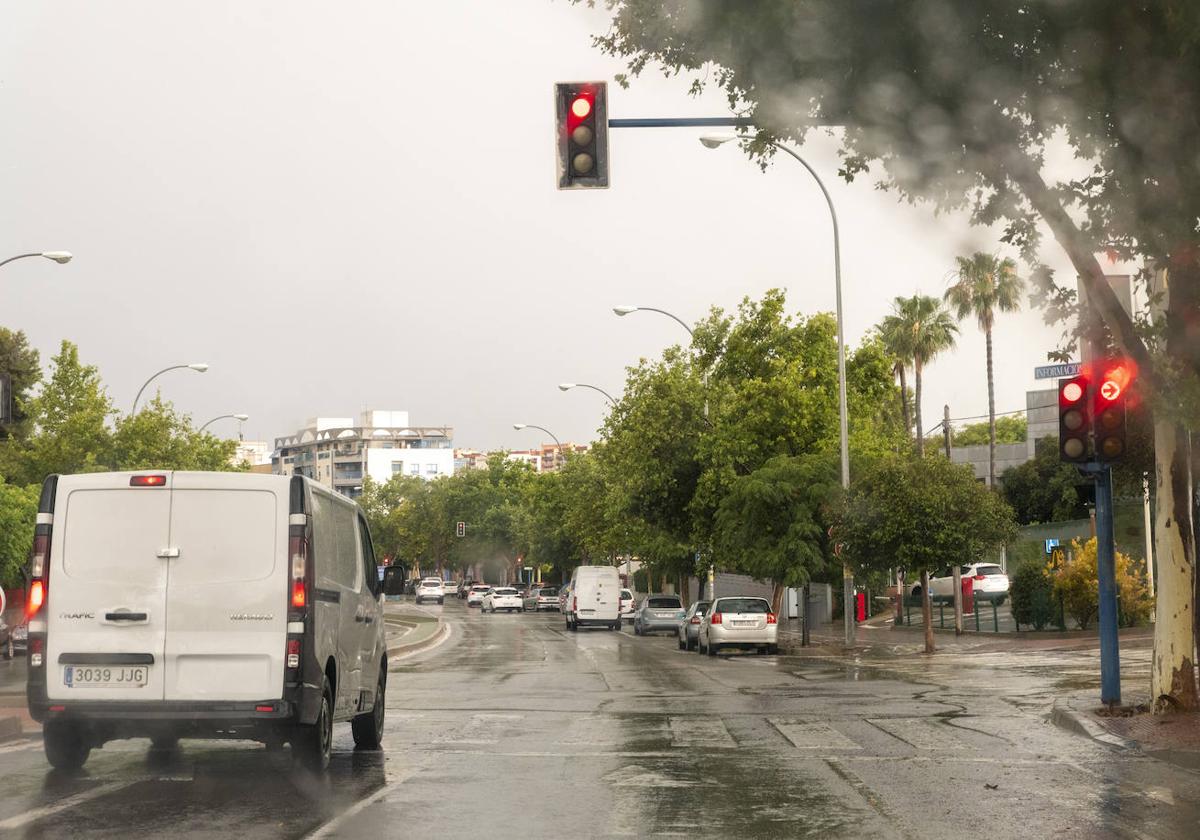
(431, 469)
(397, 467)
(414, 469)
(387, 444)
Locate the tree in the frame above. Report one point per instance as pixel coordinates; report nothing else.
(18, 515)
(920, 515)
(1044, 489)
(957, 104)
(927, 330)
(898, 342)
(986, 285)
(22, 364)
(1011, 429)
(70, 416)
(158, 437)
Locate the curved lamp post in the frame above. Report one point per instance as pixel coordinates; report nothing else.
(59, 257)
(241, 418)
(199, 367)
(567, 386)
(557, 442)
(714, 141)
(625, 310)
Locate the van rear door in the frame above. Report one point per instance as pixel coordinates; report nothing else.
(106, 591)
(226, 598)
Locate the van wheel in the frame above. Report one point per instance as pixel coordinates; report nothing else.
(65, 746)
(368, 728)
(313, 743)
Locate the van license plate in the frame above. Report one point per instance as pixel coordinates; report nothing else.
(105, 676)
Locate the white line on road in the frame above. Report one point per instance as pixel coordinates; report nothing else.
(21, 746)
(329, 828)
(812, 735)
(63, 804)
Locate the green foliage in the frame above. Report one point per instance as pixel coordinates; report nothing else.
(1043, 489)
(18, 514)
(1077, 585)
(23, 366)
(920, 328)
(1031, 593)
(984, 286)
(1009, 429)
(158, 437)
(919, 515)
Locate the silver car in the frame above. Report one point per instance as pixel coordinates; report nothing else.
(689, 629)
(658, 613)
(738, 622)
(541, 598)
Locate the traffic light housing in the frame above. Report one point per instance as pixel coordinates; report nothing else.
(581, 120)
(1109, 397)
(1074, 420)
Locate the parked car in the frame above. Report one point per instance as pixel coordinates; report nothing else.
(501, 598)
(179, 612)
(990, 583)
(476, 593)
(626, 605)
(658, 613)
(542, 598)
(430, 589)
(450, 588)
(738, 622)
(465, 588)
(689, 628)
(594, 599)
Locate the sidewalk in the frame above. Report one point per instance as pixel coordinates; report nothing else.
(1171, 737)
(411, 629)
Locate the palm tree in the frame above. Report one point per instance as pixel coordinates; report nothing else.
(927, 330)
(896, 341)
(986, 285)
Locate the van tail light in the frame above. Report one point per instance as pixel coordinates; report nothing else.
(716, 619)
(574, 604)
(37, 649)
(148, 481)
(298, 554)
(771, 619)
(39, 571)
(293, 653)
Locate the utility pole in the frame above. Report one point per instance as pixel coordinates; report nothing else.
(946, 430)
(958, 598)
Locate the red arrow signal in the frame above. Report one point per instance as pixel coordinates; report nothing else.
(1110, 390)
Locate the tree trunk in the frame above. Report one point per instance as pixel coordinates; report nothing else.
(904, 398)
(684, 590)
(927, 611)
(991, 413)
(917, 407)
(777, 597)
(1172, 678)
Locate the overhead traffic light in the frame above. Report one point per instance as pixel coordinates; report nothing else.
(581, 120)
(1108, 408)
(1074, 422)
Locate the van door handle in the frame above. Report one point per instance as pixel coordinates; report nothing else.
(125, 616)
(168, 553)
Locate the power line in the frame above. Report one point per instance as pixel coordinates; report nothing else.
(940, 423)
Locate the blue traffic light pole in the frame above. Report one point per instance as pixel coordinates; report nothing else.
(1106, 573)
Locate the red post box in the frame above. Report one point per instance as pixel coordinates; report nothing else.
(860, 606)
(968, 594)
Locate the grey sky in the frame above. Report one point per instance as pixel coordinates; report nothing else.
(352, 205)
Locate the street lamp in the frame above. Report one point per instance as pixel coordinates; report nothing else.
(714, 141)
(199, 367)
(241, 418)
(567, 386)
(625, 310)
(520, 426)
(59, 257)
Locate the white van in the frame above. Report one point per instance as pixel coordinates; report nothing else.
(594, 599)
(195, 604)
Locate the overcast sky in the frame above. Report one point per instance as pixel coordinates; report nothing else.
(353, 205)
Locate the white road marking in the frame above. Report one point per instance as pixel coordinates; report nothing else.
(700, 732)
(639, 777)
(483, 729)
(331, 827)
(63, 804)
(812, 735)
(922, 733)
(21, 746)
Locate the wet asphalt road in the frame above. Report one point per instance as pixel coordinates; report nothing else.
(516, 728)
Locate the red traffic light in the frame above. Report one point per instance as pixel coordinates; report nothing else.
(581, 107)
(1072, 392)
(1115, 379)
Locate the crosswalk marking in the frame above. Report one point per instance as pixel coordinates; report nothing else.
(700, 732)
(922, 733)
(812, 735)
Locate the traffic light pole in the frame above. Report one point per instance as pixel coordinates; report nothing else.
(1106, 572)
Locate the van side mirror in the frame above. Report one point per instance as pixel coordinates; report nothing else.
(393, 580)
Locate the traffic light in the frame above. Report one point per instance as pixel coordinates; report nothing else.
(1074, 421)
(581, 110)
(1108, 408)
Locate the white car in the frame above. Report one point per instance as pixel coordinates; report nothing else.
(627, 609)
(475, 595)
(990, 583)
(502, 598)
(450, 589)
(738, 622)
(430, 589)
(168, 605)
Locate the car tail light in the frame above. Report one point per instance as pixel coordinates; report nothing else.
(716, 618)
(293, 653)
(695, 620)
(264, 708)
(298, 552)
(980, 577)
(771, 619)
(148, 481)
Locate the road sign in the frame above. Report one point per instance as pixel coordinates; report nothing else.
(1057, 371)
(1051, 544)
(461, 530)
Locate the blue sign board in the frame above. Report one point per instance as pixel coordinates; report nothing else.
(1057, 371)
(1051, 543)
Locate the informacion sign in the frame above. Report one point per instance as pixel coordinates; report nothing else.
(1057, 371)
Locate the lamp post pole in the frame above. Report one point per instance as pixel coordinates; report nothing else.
(241, 418)
(843, 423)
(199, 367)
(567, 386)
(557, 442)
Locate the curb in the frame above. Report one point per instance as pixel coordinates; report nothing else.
(436, 638)
(1081, 724)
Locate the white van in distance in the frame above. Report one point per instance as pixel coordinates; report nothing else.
(202, 605)
(594, 599)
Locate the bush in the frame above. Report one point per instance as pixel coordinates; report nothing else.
(1032, 595)
(1078, 587)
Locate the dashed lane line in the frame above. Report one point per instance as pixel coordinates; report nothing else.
(331, 828)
